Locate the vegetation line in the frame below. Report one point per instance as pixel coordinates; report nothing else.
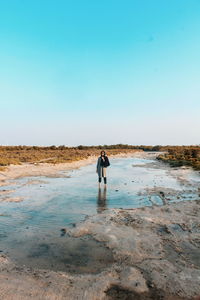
(174, 155)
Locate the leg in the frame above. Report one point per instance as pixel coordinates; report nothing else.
(104, 176)
(99, 181)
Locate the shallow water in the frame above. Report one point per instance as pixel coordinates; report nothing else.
(30, 231)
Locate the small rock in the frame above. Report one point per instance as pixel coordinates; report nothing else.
(63, 231)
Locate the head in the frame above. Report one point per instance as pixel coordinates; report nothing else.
(103, 153)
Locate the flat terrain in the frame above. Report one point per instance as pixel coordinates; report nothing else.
(14, 166)
(137, 253)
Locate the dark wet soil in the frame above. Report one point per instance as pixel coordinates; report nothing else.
(73, 255)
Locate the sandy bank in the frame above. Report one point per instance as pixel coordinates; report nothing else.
(48, 169)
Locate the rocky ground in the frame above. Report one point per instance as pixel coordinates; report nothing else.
(155, 255)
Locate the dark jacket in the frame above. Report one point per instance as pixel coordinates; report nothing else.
(105, 163)
(101, 164)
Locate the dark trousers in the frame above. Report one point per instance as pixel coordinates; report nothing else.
(104, 178)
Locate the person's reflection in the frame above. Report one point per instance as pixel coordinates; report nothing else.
(101, 200)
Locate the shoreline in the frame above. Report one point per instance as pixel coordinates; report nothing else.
(49, 169)
(152, 252)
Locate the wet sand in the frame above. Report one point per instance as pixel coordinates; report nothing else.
(142, 253)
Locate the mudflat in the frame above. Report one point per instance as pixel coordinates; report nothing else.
(155, 255)
(151, 252)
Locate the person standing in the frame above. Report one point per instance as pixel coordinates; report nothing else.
(102, 164)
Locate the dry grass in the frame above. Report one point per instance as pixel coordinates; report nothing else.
(24, 154)
(2, 168)
(175, 155)
(182, 156)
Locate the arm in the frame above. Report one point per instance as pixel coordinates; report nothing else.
(107, 162)
(97, 164)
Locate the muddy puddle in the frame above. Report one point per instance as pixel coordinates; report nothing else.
(33, 225)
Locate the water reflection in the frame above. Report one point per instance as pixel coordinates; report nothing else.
(101, 200)
(62, 202)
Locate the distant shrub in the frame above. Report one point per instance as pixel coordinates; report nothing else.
(81, 147)
(182, 156)
(53, 147)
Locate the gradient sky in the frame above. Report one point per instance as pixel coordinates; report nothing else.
(99, 72)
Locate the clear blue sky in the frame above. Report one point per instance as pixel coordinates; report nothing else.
(99, 72)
